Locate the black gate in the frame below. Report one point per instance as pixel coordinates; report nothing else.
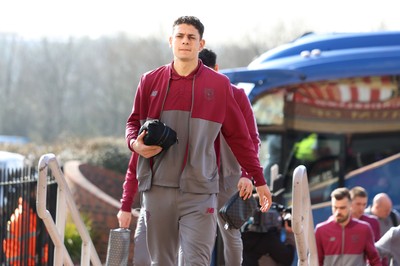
(23, 235)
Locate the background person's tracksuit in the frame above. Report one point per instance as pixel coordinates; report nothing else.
(231, 173)
(374, 223)
(179, 185)
(349, 245)
(389, 245)
(384, 225)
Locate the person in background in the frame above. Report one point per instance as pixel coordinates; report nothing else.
(22, 246)
(343, 240)
(230, 170)
(382, 209)
(262, 238)
(388, 245)
(179, 186)
(274, 144)
(359, 201)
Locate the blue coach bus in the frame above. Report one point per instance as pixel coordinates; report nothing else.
(330, 102)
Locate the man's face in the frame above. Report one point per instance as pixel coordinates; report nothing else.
(358, 205)
(341, 210)
(185, 42)
(383, 210)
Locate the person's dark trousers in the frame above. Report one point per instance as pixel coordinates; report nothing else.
(256, 245)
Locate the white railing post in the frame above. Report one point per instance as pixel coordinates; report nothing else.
(274, 175)
(60, 252)
(64, 199)
(61, 208)
(302, 219)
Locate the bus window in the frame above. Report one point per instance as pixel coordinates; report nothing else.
(367, 149)
(323, 166)
(268, 110)
(319, 153)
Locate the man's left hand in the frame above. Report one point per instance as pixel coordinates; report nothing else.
(245, 187)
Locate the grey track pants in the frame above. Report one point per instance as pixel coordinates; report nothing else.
(141, 254)
(175, 218)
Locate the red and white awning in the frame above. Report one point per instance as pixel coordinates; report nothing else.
(352, 93)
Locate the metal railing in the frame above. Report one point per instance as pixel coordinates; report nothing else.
(64, 200)
(302, 219)
(23, 236)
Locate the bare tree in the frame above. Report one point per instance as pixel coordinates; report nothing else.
(8, 71)
(84, 87)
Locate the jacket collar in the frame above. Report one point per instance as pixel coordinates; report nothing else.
(195, 72)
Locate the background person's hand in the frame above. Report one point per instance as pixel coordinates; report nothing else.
(245, 187)
(265, 197)
(142, 149)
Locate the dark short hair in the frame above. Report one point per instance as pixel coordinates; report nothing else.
(341, 193)
(208, 57)
(358, 192)
(190, 20)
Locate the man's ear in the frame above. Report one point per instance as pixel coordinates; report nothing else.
(216, 68)
(202, 44)
(170, 41)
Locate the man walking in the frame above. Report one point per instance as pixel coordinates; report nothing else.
(342, 240)
(180, 185)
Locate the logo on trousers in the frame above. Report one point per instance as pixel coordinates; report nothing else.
(210, 210)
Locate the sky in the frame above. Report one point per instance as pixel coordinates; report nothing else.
(224, 20)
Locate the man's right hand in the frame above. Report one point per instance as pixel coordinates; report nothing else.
(265, 197)
(142, 149)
